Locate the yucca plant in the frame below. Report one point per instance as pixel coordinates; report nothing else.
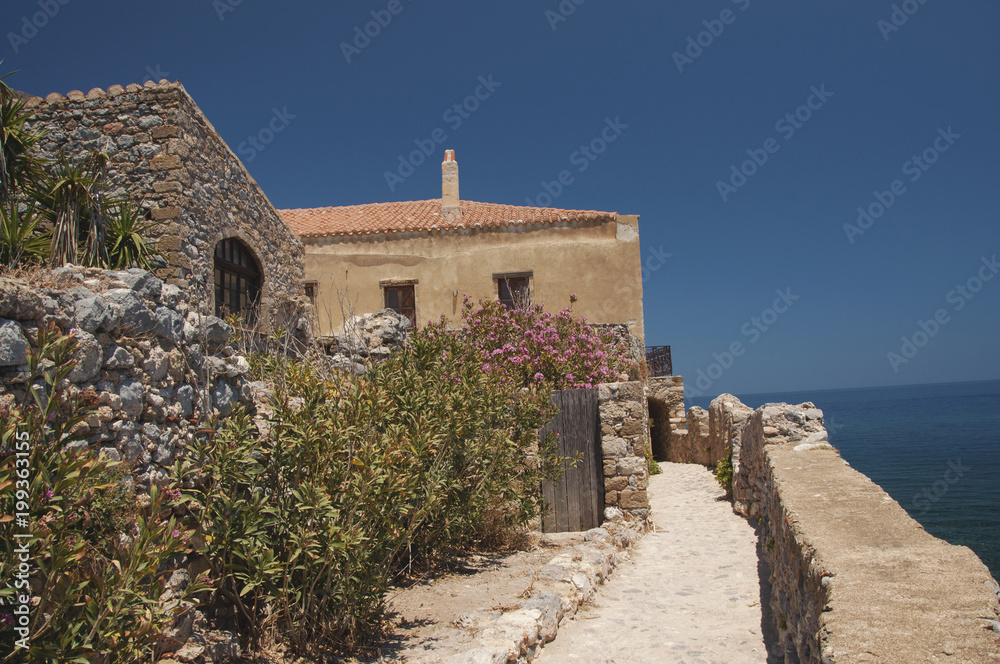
(19, 166)
(73, 197)
(21, 237)
(127, 231)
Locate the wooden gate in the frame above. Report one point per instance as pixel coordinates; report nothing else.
(576, 502)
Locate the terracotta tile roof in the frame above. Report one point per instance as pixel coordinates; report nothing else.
(416, 216)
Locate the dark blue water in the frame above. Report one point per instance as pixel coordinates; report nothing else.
(934, 448)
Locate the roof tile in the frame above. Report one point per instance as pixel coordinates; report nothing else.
(417, 216)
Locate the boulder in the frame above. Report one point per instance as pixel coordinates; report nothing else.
(169, 324)
(20, 302)
(88, 358)
(209, 329)
(140, 281)
(131, 393)
(224, 398)
(92, 313)
(13, 344)
(135, 316)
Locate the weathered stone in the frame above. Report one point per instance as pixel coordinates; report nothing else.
(13, 344)
(631, 466)
(170, 296)
(615, 483)
(185, 397)
(156, 364)
(613, 514)
(142, 282)
(135, 315)
(224, 398)
(209, 329)
(165, 162)
(633, 500)
(88, 358)
(169, 323)
(20, 302)
(132, 396)
(613, 447)
(92, 313)
(118, 358)
(161, 213)
(167, 187)
(165, 131)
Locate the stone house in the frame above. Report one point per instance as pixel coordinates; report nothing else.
(224, 244)
(422, 257)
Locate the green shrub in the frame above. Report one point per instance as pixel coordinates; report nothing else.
(357, 479)
(96, 563)
(22, 239)
(724, 472)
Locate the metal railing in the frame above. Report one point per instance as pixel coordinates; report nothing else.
(658, 361)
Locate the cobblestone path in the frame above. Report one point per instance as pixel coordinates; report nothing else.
(690, 594)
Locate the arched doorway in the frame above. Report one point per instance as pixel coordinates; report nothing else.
(237, 281)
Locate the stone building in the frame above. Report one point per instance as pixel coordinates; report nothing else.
(422, 257)
(225, 245)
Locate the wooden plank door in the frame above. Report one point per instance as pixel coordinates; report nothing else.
(576, 502)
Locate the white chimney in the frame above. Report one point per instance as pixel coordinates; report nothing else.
(449, 187)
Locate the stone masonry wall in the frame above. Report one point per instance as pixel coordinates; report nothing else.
(155, 367)
(624, 437)
(853, 579)
(164, 152)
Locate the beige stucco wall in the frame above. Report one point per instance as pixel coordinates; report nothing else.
(600, 262)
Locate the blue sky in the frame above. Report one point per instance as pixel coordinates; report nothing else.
(695, 91)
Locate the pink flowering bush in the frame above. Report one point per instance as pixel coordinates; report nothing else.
(530, 346)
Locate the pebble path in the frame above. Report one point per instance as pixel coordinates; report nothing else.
(690, 594)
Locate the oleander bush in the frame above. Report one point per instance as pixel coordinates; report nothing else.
(94, 568)
(530, 346)
(357, 479)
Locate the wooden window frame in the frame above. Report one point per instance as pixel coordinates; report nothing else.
(503, 278)
(311, 288)
(246, 280)
(400, 284)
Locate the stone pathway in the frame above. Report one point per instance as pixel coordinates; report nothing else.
(690, 594)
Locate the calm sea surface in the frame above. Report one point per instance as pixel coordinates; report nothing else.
(934, 448)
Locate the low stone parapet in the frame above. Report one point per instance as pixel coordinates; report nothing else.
(853, 577)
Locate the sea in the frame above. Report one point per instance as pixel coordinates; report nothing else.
(934, 448)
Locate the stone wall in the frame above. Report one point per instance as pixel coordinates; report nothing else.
(702, 437)
(155, 367)
(852, 578)
(164, 152)
(624, 437)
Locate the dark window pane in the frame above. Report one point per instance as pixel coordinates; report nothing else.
(402, 299)
(237, 279)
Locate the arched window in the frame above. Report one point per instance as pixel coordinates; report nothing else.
(237, 281)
